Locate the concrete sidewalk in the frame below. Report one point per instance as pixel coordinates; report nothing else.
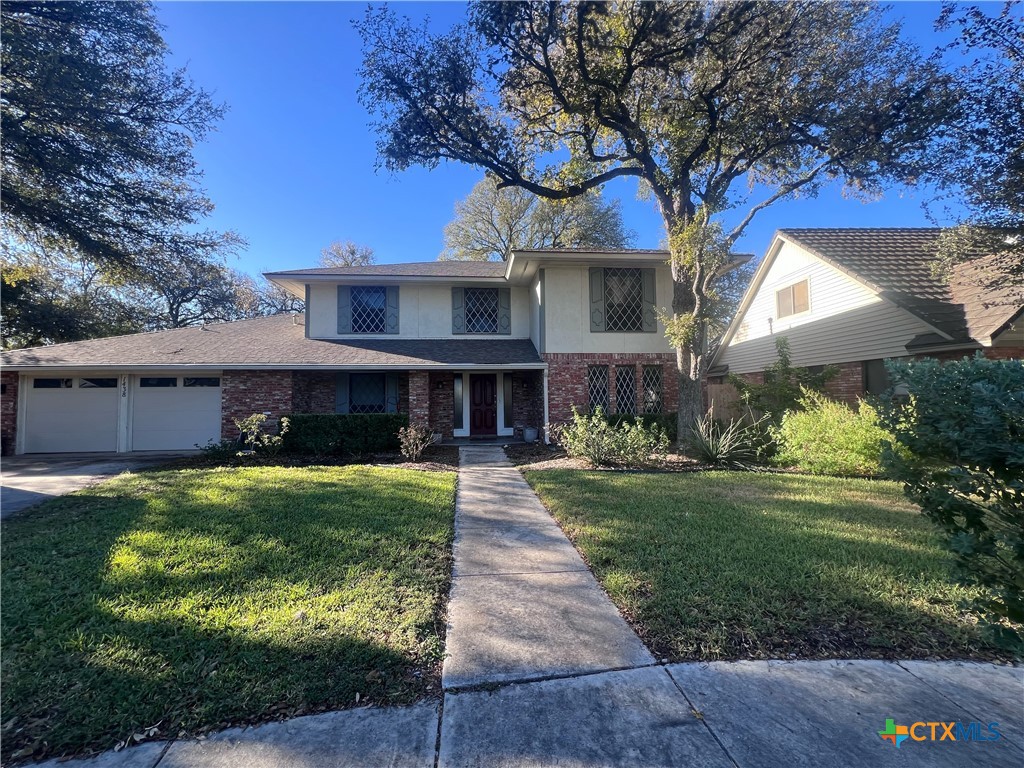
(542, 671)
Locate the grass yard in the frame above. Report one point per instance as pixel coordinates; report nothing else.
(734, 565)
(196, 598)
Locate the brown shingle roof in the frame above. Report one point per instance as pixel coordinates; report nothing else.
(270, 342)
(898, 264)
(410, 269)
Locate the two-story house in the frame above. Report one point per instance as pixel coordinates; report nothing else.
(468, 349)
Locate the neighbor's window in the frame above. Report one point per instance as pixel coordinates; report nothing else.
(623, 300)
(369, 309)
(625, 389)
(367, 393)
(158, 381)
(597, 387)
(651, 382)
(481, 310)
(104, 383)
(51, 383)
(793, 299)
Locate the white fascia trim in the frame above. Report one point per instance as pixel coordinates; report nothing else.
(53, 370)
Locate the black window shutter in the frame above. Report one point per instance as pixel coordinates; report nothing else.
(650, 308)
(597, 313)
(505, 310)
(458, 310)
(344, 309)
(341, 394)
(392, 311)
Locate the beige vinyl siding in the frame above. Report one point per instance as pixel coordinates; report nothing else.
(846, 321)
(567, 315)
(425, 311)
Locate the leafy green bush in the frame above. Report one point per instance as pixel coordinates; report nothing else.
(831, 438)
(254, 435)
(592, 437)
(349, 434)
(666, 421)
(962, 425)
(783, 385)
(733, 444)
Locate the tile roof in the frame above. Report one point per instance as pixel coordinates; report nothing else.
(410, 269)
(277, 341)
(898, 264)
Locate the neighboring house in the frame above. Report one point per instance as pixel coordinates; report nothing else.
(465, 348)
(855, 297)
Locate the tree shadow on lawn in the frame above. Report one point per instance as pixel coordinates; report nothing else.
(716, 575)
(192, 609)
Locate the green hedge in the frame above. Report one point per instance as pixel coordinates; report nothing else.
(667, 421)
(355, 434)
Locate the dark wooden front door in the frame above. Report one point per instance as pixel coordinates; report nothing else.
(483, 404)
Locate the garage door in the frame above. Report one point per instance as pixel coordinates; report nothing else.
(65, 415)
(175, 412)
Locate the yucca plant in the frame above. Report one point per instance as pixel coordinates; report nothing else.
(729, 444)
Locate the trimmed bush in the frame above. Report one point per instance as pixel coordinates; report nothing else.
(830, 438)
(590, 436)
(344, 434)
(666, 421)
(962, 428)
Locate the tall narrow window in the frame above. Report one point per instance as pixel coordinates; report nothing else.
(369, 309)
(457, 403)
(597, 387)
(625, 389)
(623, 300)
(481, 310)
(652, 387)
(792, 300)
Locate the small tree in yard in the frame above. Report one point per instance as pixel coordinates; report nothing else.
(963, 430)
(783, 387)
(716, 108)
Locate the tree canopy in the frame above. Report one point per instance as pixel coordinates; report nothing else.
(490, 222)
(715, 107)
(345, 253)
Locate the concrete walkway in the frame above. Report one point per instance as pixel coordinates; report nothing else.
(542, 671)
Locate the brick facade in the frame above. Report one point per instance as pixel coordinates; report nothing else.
(419, 398)
(244, 393)
(527, 400)
(567, 379)
(8, 412)
(442, 400)
(848, 384)
(314, 391)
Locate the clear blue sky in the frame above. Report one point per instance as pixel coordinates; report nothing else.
(291, 167)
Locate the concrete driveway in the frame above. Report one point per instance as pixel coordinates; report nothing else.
(29, 480)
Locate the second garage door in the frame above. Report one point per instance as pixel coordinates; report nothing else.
(172, 413)
(71, 414)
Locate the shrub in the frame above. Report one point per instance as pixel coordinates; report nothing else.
(732, 444)
(592, 437)
(355, 434)
(962, 425)
(255, 436)
(414, 441)
(830, 438)
(783, 385)
(666, 421)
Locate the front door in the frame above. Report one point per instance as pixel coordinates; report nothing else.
(483, 404)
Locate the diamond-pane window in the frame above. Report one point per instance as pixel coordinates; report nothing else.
(597, 387)
(367, 393)
(625, 389)
(481, 310)
(651, 381)
(623, 299)
(369, 309)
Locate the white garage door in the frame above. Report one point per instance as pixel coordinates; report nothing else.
(175, 412)
(74, 414)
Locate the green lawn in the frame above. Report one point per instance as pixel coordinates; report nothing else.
(731, 565)
(190, 599)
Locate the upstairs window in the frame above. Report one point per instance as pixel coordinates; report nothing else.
(622, 299)
(369, 309)
(481, 310)
(792, 300)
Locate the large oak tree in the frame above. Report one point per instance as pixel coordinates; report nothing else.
(719, 109)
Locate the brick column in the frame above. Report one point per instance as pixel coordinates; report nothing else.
(8, 412)
(442, 403)
(419, 398)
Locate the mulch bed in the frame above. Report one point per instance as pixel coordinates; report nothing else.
(534, 456)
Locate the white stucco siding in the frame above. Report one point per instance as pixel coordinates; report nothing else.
(425, 312)
(567, 315)
(845, 322)
(535, 313)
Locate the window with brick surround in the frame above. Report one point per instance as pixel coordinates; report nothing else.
(792, 300)
(369, 309)
(597, 387)
(652, 386)
(625, 389)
